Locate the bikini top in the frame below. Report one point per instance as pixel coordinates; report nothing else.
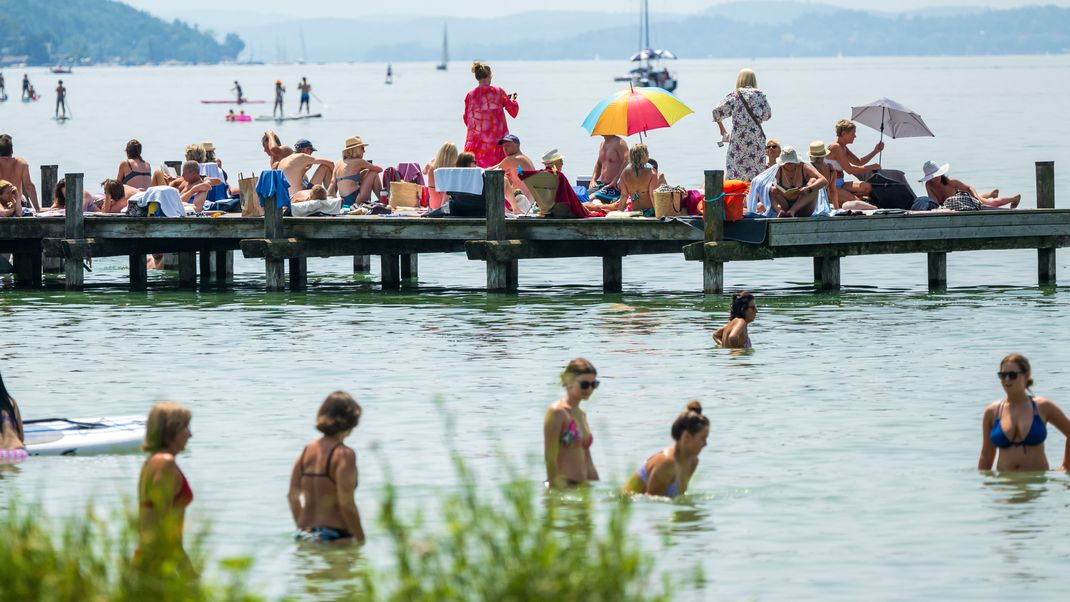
(1038, 432)
(326, 469)
(134, 174)
(571, 436)
(672, 490)
(834, 164)
(183, 498)
(352, 178)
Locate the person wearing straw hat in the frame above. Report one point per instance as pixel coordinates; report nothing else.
(817, 153)
(957, 195)
(553, 160)
(796, 185)
(355, 179)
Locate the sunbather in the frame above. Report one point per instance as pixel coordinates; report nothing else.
(296, 168)
(355, 179)
(192, 187)
(135, 171)
(514, 161)
(958, 195)
(817, 155)
(116, 196)
(445, 157)
(843, 162)
(637, 183)
(795, 189)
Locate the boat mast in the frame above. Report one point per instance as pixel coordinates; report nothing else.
(445, 44)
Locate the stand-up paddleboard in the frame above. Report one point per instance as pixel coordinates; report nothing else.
(233, 102)
(288, 117)
(84, 436)
(61, 118)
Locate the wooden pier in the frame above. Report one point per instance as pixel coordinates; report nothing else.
(205, 246)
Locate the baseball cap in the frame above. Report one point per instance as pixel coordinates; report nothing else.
(509, 138)
(303, 144)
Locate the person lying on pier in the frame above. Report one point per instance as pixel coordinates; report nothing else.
(957, 195)
(355, 179)
(135, 171)
(734, 334)
(843, 161)
(296, 167)
(17, 171)
(114, 199)
(316, 193)
(514, 161)
(59, 201)
(605, 177)
(817, 153)
(10, 203)
(192, 186)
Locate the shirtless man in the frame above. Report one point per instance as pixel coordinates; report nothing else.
(192, 188)
(306, 91)
(355, 179)
(605, 178)
(116, 196)
(297, 165)
(274, 148)
(17, 171)
(940, 188)
(61, 99)
(514, 160)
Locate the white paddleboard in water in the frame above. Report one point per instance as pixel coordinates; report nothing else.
(84, 436)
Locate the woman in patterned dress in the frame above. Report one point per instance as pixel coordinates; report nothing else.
(746, 156)
(484, 116)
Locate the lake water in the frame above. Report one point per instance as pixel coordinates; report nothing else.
(842, 454)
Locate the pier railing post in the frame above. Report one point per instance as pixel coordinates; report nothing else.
(74, 229)
(274, 268)
(713, 215)
(49, 177)
(1046, 200)
(499, 278)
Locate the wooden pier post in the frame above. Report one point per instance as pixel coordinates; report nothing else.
(187, 269)
(298, 273)
(74, 229)
(390, 271)
(501, 274)
(362, 264)
(713, 222)
(206, 267)
(139, 272)
(224, 266)
(830, 272)
(275, 268)
(937, 271)
(28, 268)
(49, 177)
(612, 273)
(410, 266)
(1046, 200)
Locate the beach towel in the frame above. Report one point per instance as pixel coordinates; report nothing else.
(565, 195)
(759, 193)
(459, 179)
(273, 183)
(219, 191)
(322, 207)
(165, 197)
(411, 172)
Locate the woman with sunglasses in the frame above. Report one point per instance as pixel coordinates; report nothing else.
(567, 436)
(734, 334)
(668, 472)
(772, 151)
(1017, 424)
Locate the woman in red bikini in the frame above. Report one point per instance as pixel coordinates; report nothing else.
(566, 433)
(163, 491)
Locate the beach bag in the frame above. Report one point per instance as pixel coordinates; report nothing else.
(735, 198)
(890, 190)
(405, 194)
(962, 201)
(250, 202)
(669, 202)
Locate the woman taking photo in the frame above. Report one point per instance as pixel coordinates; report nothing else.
(668, 472)
(12, 437)
(163, 491)
(324, 477)
(567, 437)
(747, 107)
(484, 116)
(734, 334)
(1015, 427)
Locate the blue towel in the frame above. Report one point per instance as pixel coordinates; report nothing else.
(273, 183)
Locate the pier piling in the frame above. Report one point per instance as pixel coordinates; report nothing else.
(74, 230)
(713, 223)
(1046, 200)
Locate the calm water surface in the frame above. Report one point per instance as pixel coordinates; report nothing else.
(842, 450)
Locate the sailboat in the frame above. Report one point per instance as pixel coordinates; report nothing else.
(649, 71)
(445, 51)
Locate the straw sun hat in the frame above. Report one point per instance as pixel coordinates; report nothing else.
(818, 149)
(354, 142)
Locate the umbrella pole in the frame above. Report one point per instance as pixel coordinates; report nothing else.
(880, 157)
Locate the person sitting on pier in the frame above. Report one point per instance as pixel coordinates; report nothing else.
(296, 166)
(192, 187)
(59, 201)
(734, 334)
(135, 171)
(817, 153)
(843, 161)
(355, 179)
(957, 195)
(10, 202)
(466, 160)
(796, 187)
(772, 151)
(17, 171)
(194, 152)
(274, 148)
(553, 160)
(445, 157)
(116, 196)
(514, 162)
(637, 181)
(605, 178)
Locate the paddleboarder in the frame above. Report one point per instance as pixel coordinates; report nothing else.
(306, 92)
(3, 88)
(280, 91)
(237, 91)
(26, 87)
(389, 74)
(61, 100)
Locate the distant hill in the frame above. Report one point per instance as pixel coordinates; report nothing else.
(754, 28)
(45, 31)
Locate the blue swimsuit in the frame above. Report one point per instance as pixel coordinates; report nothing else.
(1038, 432)
(672, 490)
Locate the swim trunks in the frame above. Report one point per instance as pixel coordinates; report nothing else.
(321, 535)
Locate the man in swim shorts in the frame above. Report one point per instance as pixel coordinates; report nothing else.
(513, 163)
(605, 178)
(61, 99)
(306, 91)
(17, 171)
(237, 91)
(297, 165)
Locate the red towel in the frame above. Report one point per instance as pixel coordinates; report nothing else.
(565, 195)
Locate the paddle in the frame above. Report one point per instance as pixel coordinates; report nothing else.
(319, 100)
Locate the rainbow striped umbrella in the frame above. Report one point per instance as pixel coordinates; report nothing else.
(635, 111)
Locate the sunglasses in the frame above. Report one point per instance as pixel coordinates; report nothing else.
(589, 384)
(771, 146)
(1011, 374)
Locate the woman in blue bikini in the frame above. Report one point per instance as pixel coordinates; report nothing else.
(668, 472)
(567, 437)
(1017, 424)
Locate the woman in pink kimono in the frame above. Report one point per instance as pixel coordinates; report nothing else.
(484, 116)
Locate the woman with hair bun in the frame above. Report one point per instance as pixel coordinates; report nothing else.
(566, 434)
(484, 116)
(668, 472)
(1016, 425)
(734, 334)
(324, 477)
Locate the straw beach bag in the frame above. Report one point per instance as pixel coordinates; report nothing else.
(250, 203)
(405, 194)
(669, 202)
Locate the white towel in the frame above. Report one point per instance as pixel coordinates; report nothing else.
(325, 206)
(167, 197)
(211, 170)
(459, 179)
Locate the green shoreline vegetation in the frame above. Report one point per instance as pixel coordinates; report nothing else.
(103, 31)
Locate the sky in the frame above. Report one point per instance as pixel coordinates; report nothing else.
(477, 8)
